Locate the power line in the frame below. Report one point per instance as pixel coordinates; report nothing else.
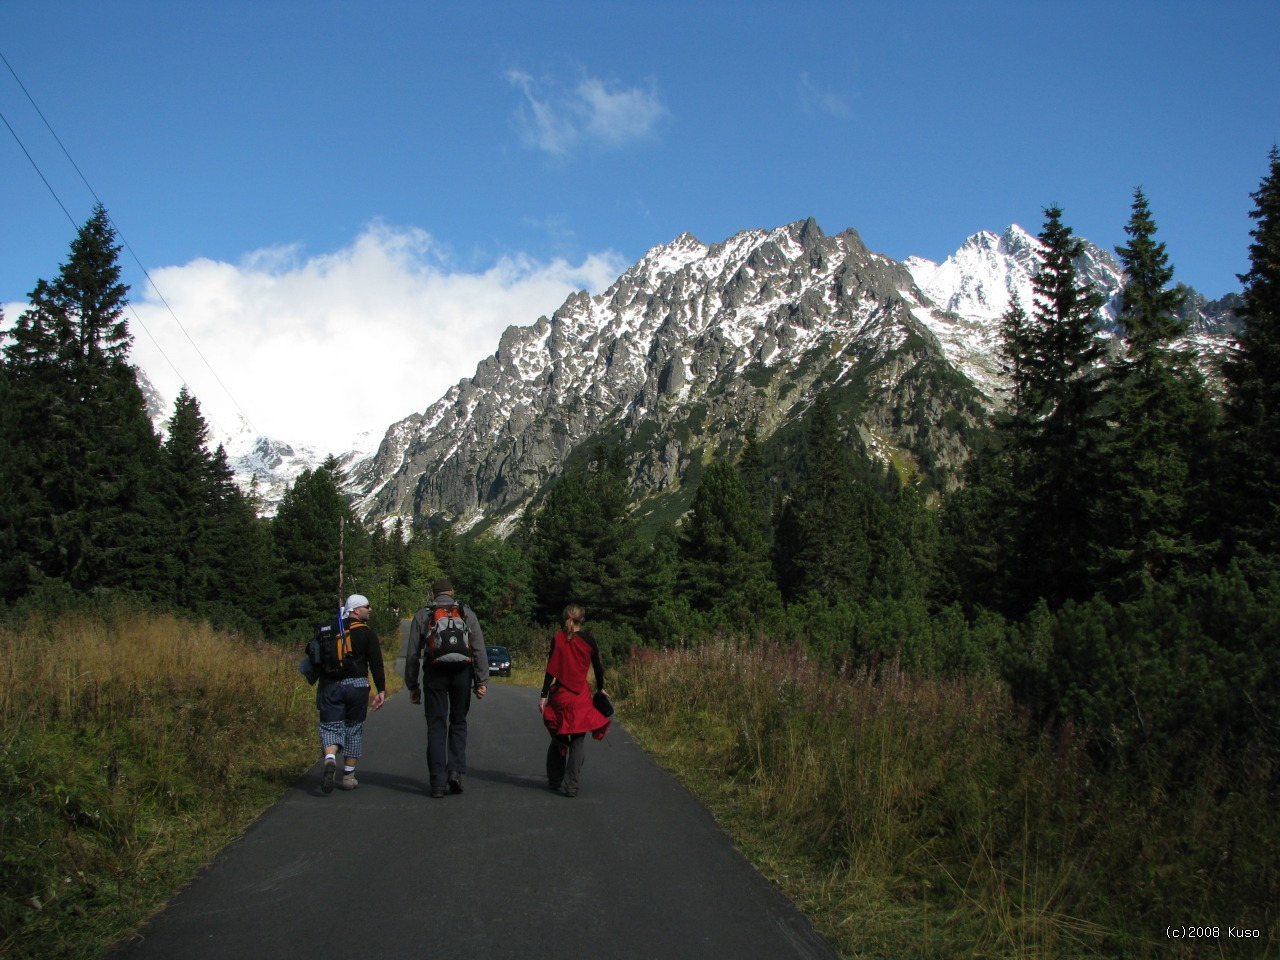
(72, 219)
(36, 166)
(123, 240)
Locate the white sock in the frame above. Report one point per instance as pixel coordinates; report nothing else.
(348, 769)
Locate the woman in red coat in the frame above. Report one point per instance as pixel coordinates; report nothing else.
(566, 704)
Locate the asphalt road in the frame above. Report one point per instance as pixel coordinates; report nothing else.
(633, 867)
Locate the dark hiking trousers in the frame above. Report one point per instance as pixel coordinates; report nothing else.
(565, 756)
(446, 698)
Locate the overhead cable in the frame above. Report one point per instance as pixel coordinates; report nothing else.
(123, 240)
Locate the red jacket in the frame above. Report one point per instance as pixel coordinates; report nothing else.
(569, 708)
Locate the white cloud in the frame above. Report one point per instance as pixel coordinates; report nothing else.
(557, 120)
(318, 351)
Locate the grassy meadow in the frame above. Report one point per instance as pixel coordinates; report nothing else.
(133, 749)
(908, 817)
(920, 818)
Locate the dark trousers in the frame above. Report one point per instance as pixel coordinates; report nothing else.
(446, 698)
(564, 761)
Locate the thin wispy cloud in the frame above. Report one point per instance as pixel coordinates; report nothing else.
(558, 120)
(814, 99)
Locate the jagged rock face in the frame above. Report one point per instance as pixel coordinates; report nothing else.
(976, 285)
(688, 349)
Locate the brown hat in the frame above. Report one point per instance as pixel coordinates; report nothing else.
(441, 585)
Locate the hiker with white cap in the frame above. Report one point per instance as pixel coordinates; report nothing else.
(342, 696)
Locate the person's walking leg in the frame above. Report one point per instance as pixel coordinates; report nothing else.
(459, 704)
(332, 711)
(357, 702)
(556, 751)
(573, 763)
(435, 700)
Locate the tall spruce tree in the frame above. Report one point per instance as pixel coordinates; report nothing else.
(313, 529)
(1157, 450)
(829, 527)
(494, 577)
(238, 547)
(81, 457)
(980, 522)
(188, 494)
(585, 547)
(724, 567)
(220, 555)
(1252, 461)
(1049, 452)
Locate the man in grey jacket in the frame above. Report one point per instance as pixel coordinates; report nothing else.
(447, 676)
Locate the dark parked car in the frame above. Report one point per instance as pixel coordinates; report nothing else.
(500, 661)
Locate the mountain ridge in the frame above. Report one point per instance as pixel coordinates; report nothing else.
(729, 335)
(694, 343)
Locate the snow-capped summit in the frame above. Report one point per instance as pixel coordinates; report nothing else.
(979, 280)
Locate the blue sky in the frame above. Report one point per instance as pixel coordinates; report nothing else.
(305, 181)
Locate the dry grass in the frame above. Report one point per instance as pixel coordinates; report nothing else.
(919, 817)
(132, 750)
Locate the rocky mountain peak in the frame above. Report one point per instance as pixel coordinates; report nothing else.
(687, 348)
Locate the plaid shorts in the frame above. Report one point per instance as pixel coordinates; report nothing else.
(343, 705)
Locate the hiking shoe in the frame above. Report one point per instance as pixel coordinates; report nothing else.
(455, 783)
(349, 781)
(437, 793)
(330, 771)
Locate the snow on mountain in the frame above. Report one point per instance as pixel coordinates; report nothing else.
(976, 285)
(690, 346)
(263, 467)
(266, 467)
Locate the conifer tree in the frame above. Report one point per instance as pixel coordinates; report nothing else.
(1162, 416)
(237, 547)
(188, 495)
(752, 471)
(1056, 428)
(907, 564)
(1252, 498)
(561, 555)
(444, 545)
(585, 547)
(81, 457)
(310, 525)
(724, 551)
(829, 526)
(986, 522)
(494, 578)
(220, 556)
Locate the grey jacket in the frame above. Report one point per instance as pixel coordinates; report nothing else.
(413, 664)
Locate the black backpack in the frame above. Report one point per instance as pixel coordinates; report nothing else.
(447, 637)
(330, 650)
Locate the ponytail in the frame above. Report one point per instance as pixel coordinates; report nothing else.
(573, 617)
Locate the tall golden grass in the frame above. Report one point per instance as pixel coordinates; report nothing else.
(133, 748)
(923, 817)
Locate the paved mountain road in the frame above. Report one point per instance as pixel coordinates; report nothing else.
(633, 867)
